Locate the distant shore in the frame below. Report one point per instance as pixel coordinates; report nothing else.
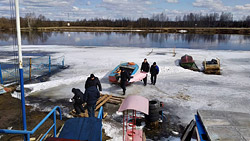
(196, 30)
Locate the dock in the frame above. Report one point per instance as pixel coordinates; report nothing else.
(225, 125)
(104, 98)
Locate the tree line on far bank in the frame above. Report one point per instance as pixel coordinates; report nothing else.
(157, 20)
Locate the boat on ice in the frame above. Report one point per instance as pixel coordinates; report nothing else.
(212, 67)
(187, 62)
(130, 67)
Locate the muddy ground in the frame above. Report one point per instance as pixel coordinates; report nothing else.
(11, 117)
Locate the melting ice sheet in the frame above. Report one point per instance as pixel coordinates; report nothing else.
(183, 91)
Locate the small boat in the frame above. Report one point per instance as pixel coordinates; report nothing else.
(130, 67)
(212, 67)
(187, 62)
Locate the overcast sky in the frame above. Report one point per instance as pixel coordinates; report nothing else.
(113, 9)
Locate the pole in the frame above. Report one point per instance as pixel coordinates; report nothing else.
(123, 113)
(54, 117)
(1, 76)
(30, 70)
(63, 62)
(49, 65)
(26, 137)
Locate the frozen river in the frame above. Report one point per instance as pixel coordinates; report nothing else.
(183, 91)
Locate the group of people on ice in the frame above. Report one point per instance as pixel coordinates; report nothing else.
(92, 94)
(154, 70)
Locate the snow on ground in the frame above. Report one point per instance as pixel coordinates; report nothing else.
(184, 91)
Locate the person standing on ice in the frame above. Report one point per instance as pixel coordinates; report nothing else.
(145, 68)
(78, 100)
(93, 81)
(125, 77)
(91, 96)
(154, 70)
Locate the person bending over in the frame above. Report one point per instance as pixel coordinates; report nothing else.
(78, 100)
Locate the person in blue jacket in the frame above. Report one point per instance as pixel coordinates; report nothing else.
(91, 96)
(154, 70)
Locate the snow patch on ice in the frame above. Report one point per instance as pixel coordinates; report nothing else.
(113, 131)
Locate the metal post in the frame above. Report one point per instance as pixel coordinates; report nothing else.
(123, 125)
(54, 117)
(49, 64)
(27, 136)
(1, 76)
(30, 70)
(63, 62)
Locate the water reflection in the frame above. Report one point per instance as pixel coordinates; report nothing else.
(132, 39)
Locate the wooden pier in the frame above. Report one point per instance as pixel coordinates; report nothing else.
(104, 98)
(225, 125)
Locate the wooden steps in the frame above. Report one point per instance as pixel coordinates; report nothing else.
(104, 98)
(39, 138)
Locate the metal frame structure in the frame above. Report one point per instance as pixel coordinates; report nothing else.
(28, 133)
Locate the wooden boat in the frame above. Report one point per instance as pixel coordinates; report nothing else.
(187, 62)
(212, 67)
(130, 67)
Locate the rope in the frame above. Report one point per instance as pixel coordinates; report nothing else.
(14, 41)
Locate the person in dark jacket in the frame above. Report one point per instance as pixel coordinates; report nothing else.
(145, 68)
(154, 70)
(125, 77)
(93, 81)
(78, 100)
(91, 96)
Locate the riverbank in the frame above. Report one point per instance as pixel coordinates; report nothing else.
(196, 30)
(182, 91)
(11, 118)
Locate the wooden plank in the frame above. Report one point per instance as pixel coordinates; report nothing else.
(113, 96)
(116, 98)
(105, 114)
(39, 138)
(57, 135)
(114, 101)
(101, 99)
(103, 102)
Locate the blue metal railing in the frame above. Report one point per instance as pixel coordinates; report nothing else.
(28, 133)
(100, 116)
(1, 76)
(39, 66)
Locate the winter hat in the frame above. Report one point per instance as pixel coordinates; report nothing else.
(73, 90)
(145, 59)
(92, 75)
(154, 63)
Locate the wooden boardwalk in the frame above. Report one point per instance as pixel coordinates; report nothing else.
(104, 98)
(224, 125)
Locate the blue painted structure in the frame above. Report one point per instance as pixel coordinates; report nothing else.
(26, 136)
(87, 128)
(1, 76)
(201, 131)
(28, 133)
(49, 64)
